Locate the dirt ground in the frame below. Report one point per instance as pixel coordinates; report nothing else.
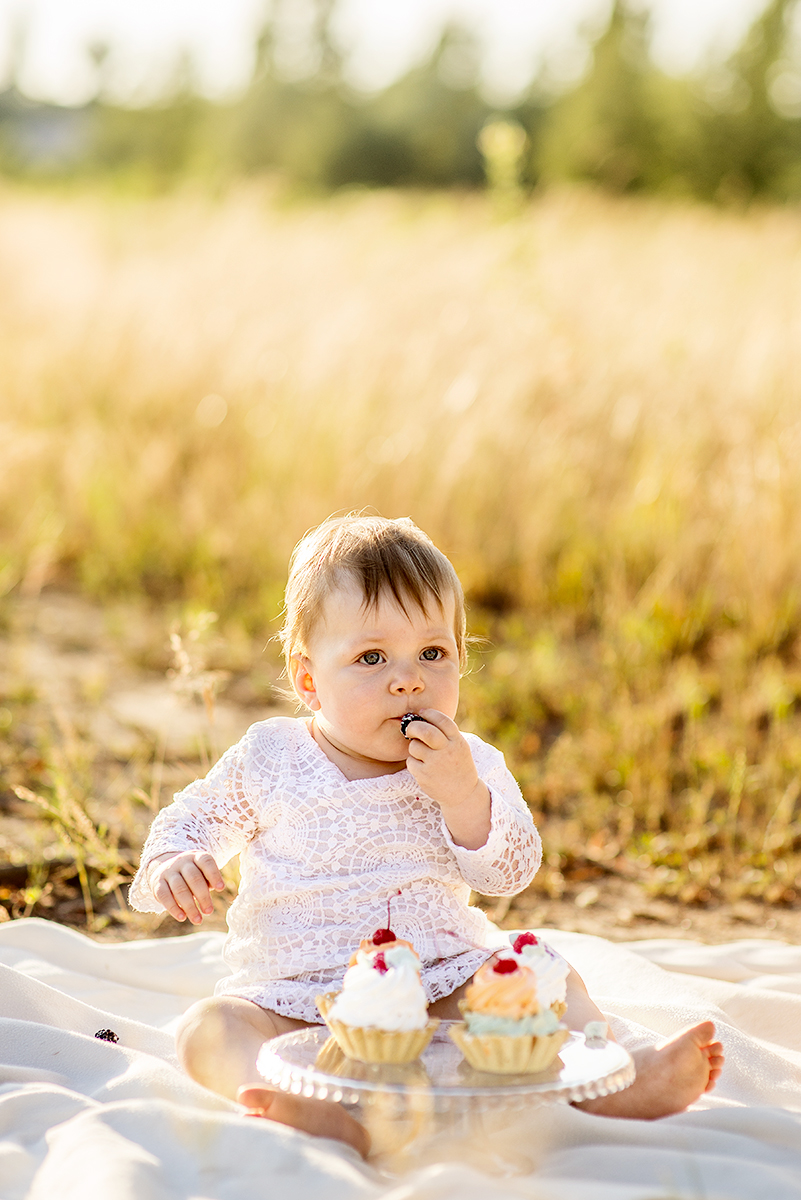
(94, 696)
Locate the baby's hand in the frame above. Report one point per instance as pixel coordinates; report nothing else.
(181, 883)
(440, 760)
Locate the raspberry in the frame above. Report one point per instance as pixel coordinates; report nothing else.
(505, 966)
(383, 935)
(380, 964)
(524, 939)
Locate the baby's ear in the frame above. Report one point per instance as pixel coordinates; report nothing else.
(303, 682)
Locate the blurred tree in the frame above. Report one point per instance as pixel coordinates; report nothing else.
(607, 128)
(99, 52)
(751, 128)
(436, 112)
(293, 125)
(329, 59)
(502, 145)
(731, 132)
(156, 145)
(420, 130)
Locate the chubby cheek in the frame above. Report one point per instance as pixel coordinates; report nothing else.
(356, 709)
(449, 699)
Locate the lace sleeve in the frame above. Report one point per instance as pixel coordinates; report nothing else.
(511, 855)
(214, 814)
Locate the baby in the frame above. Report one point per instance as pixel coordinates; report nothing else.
(335, 812)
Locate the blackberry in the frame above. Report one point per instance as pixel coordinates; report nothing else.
(406, 721)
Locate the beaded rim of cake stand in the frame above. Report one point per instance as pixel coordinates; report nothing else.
(305, 1079)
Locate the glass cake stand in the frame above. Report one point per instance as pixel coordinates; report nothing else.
(440, 1096)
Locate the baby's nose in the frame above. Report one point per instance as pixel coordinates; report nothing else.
(407, 679)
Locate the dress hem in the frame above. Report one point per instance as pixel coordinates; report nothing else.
(301, 1006)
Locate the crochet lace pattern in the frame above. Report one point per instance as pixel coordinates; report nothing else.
(321, 854)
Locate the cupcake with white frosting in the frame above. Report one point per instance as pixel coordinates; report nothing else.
(381, 1015)
(550, 968)
(512, 1011)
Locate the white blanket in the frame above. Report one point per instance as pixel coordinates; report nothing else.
(82, 1119)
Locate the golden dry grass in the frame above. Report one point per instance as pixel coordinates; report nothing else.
(592, 407)
(592, 391)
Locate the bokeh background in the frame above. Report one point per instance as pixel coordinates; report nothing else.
(529, 273)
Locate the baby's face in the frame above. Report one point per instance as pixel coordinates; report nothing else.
(367, 667)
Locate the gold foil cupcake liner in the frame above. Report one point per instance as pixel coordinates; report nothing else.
(333, 1060)
(370, 1045)
(503, 1055)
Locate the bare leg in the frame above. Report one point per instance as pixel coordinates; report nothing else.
(447, 1008)
(218, 1042)
(671, 1075)
(580, 1008)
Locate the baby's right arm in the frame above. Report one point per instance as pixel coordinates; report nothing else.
(181, 883)
(207, 823)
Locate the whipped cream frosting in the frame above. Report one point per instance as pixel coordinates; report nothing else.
(485, 1025)
(393, 999)
(549, 967)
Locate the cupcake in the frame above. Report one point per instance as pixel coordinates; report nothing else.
(380, 1016)
(550, 968)
(508, 1028)
(333, 1061)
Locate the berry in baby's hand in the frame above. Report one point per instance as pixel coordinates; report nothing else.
(406, 721)
(505, 966)
(524, 939)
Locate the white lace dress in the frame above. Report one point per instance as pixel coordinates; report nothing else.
(320, 855)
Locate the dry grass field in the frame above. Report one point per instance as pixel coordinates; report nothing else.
(593, 407)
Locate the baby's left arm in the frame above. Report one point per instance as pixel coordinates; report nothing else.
(487, 823)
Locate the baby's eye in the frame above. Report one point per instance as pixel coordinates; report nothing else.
(431, 654)
(372, 658)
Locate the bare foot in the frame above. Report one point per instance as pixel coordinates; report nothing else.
(670, 1076)
(322, 1118)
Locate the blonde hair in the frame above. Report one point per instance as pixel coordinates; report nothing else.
(383, 556)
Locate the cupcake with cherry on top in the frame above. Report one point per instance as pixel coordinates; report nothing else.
(512, 1011)
(380, 1016)
(550, 968)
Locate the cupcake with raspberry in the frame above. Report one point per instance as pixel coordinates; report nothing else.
(507, 1029)
(550, 968)
(380, 1016)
